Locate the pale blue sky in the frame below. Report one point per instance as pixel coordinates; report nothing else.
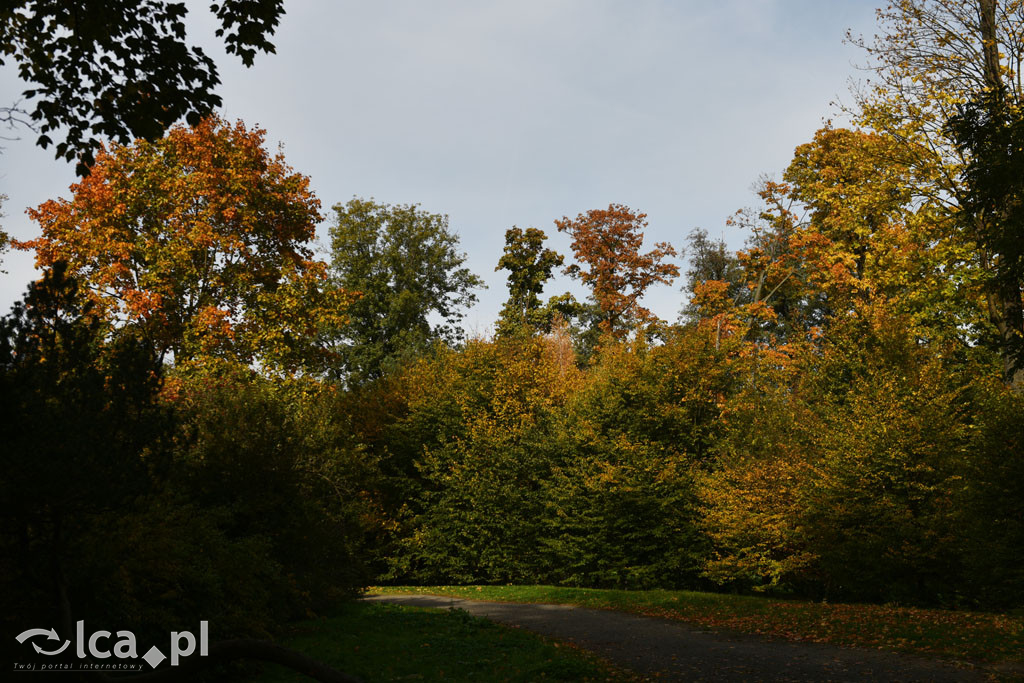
(517, 113)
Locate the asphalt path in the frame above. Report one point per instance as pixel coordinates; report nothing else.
(668, 650)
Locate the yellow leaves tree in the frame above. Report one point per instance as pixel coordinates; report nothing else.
(199, 241)
(932, 59)
(844, 231)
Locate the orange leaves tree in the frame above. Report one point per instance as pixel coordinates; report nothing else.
(607, 245)
(200, 242)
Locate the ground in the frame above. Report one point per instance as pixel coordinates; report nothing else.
(672, 650)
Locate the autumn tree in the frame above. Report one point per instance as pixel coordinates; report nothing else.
(932, 58)
(851, 184)
(480, 419)
(712, 261)
(405, 264)
(775, 274)
(199, 240)
(844, 230)
(607, 243)
(121, 70)
(866, 240)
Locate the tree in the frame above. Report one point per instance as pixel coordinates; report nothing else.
(200, 241)
(530, 265)
(121, 69)
(933, 58)
(404, 263)
(82, 428)
(844, 230)
(607, 244)
(991, 131)
(711, 261)
(866, 241)
(775, 274)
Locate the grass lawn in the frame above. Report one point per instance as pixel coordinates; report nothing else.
(957, 634)
(381, 642)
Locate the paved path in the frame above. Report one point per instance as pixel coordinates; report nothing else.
(672, 650)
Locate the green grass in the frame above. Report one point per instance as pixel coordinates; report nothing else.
(978, 636)
(382, 642)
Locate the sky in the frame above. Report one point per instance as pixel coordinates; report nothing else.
(502, 114)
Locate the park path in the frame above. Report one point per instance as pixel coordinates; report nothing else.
(667, 650)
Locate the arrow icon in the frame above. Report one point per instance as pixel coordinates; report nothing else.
(55, 652)
(50, 635)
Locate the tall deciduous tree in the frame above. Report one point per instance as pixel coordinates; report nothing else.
(866, 240)
(932, 58)
(529, 266)
(121, 69)
(201, 241)
(712, 261)
(992, 130)
(405, 264)
(607, 244)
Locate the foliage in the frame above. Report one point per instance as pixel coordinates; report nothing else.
(122, 70)
(847, 477)
(991, 132)
(200, 242)
(404, 263)
(711, 260)
(620, 513)
(82, 433)
(776, 275)
(530, 265)
(933, 58)
(531, 467)
(263, 516)
(606, 243)
(867, 240)
(214, 494)
(272, 464)
(991, 503)
(489, 410)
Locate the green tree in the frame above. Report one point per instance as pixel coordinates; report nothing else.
(121, 69)
(530, 265)
(478, 423)
(991, 131)
(404, 263)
